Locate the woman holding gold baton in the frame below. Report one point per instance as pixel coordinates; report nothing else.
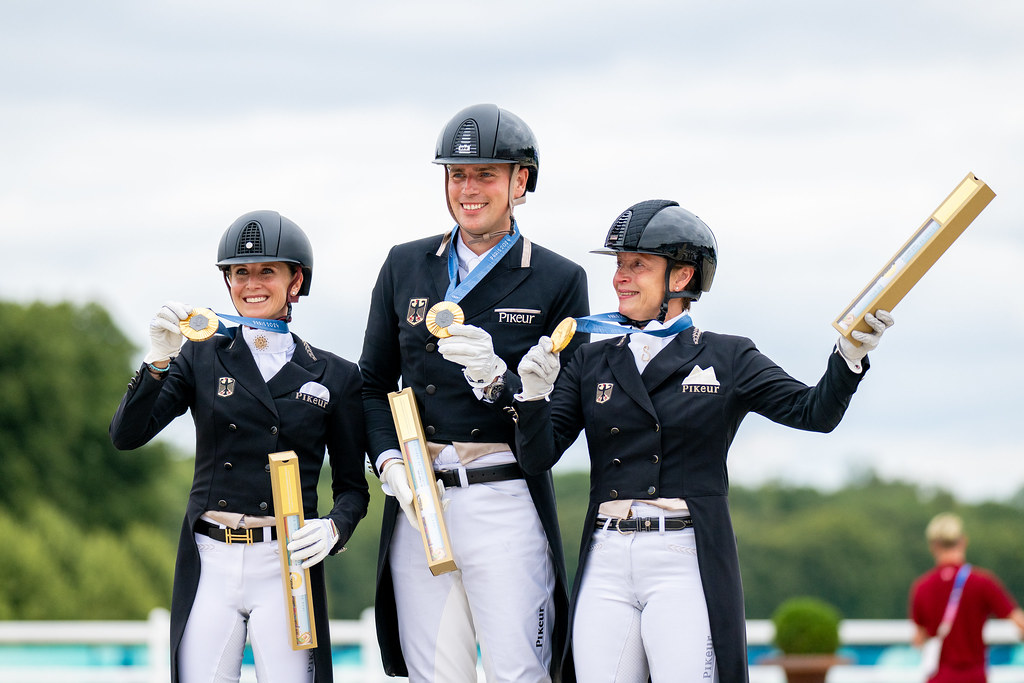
(657, 593)
(253, 390)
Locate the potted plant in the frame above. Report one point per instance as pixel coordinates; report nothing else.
(807, 634)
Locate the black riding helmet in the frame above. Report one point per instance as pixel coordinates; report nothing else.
(488, 134)
(663, 228)
(263, 236)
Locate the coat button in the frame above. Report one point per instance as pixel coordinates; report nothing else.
(657, 427)
(651, 490)
(263, 506)
(227, 466)
(655, 458)
(475, 433)
(266, 468)
(613, 431)
(429, 429)
(222, 503)
(232, 427)
(431, 389)
(616, 462)
(430, 347)
(613, 493)
(273, 430)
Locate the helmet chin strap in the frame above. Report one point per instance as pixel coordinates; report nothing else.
(475, 238)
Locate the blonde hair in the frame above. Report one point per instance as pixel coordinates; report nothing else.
(945, 529)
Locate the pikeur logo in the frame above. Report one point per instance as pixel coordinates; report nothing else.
(315, 400)
(540, 628)
(517, 316)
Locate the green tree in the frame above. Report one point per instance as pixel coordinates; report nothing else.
(87, 531)
(63, 370)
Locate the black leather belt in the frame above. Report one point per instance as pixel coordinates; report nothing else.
(480, 475)
(246, 536)
(625, 526)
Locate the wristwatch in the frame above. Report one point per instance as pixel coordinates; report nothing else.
(493, 390)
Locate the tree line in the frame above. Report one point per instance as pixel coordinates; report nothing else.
(89, 532)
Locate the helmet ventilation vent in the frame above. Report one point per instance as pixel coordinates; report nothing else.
(467, 140)
(250, 240)
(617, 235)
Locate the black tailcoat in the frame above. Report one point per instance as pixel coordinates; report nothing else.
(527, 293)
(234, 435)
(654, 436)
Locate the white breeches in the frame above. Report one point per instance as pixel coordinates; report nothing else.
(500, 596)
(641, 611)
(240, 592)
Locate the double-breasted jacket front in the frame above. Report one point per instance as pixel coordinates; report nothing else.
(666, 433)
(525, 295)
(313, 403)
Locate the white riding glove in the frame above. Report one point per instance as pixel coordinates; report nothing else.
(879, 322)
(397, 479)
(313, 541)
(538, 370)
(165, 337)
(472, 348)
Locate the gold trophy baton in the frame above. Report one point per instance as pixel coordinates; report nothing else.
(562, 335)
(429, 510)
(917, 255)
(287, 491)
(200, 325)
(441, 315)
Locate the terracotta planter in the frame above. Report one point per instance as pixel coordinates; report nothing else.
(805, 668)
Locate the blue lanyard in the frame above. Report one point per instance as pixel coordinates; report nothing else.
(255, 323)
(456, 293)
(611, 323)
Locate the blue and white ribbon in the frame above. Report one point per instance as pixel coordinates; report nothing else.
(616, 323)
(455, 292)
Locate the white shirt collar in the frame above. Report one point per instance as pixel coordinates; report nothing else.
(645, 346)
(264, 341)
(468, 259)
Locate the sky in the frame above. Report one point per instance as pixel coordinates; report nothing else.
(812, 137)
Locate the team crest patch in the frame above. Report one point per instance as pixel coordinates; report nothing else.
(417, 311)
(604, 392)
(225, 386)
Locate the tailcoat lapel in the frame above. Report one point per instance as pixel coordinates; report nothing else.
(623, 367)
(502, 279)
(304, 367)
(241, 366)
(679, 352)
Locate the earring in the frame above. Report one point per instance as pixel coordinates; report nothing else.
(294, 292)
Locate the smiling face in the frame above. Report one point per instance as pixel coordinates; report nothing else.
(260, 290)
(478, 196)
(639, 283)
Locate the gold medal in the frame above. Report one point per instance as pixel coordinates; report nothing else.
(441, 315)
(562, 335)
(200, 325)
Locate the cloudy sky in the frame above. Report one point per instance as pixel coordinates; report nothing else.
(813, 137)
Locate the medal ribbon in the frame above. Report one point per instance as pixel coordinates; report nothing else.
(255, 323)
(456, 293)
(613, 323)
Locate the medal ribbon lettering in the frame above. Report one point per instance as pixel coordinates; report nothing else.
(456, 293)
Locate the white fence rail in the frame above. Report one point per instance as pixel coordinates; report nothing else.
(152, 634)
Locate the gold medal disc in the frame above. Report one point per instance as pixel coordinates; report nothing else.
(200, 325)
(562, 335)
(441, 315)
